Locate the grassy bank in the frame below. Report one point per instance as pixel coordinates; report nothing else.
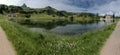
(43, 43)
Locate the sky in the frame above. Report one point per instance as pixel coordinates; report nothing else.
(94, 6)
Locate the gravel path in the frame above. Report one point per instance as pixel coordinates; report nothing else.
(5, 46)
(112, 46)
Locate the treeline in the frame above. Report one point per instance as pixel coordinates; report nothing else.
(26, 10)
(10, 9)
(47, 10)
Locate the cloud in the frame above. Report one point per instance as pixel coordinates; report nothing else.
(58, 4)
(93, 6)
(108, 8)
(3, 1)
(9, 2)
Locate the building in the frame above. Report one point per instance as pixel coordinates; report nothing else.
(107, 18)
(11, 15)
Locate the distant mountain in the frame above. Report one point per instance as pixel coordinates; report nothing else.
(88, 3)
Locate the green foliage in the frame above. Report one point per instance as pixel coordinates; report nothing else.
(14, 9)
(86, 17)
(45, 43)
(71, 18)
(23, 41)
(3, 8)
(27, 15)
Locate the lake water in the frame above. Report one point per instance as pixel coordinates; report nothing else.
(72, 29)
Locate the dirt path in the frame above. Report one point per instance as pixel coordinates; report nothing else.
(112, 46)
(5, 46)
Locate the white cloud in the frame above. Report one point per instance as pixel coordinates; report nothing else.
(9, 2)
(3, 1)
(61, 5)
(58, 4)
(110, 8)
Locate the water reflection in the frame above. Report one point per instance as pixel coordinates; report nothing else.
(72, 29)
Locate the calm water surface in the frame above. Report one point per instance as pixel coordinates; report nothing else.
(72, 29)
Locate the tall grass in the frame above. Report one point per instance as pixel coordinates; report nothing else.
(43, 43)
(23, 40)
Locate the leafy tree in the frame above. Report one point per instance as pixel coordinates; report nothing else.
(59, 13)
(71, 18)
(113, 15)
(15, 9)
(27, 15)
(3, 8)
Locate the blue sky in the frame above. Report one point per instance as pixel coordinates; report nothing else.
(94, 6)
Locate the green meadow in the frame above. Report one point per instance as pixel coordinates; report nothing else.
(27, 42)
(45, 43)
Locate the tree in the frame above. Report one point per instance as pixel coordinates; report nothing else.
(27, 15)
(15, 9)
(113, 15)
(71, 18)
(3, 8)
(59, 13)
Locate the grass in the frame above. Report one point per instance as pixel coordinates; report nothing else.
(44, 43)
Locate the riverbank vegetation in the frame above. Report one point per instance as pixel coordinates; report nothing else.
(44, 43)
